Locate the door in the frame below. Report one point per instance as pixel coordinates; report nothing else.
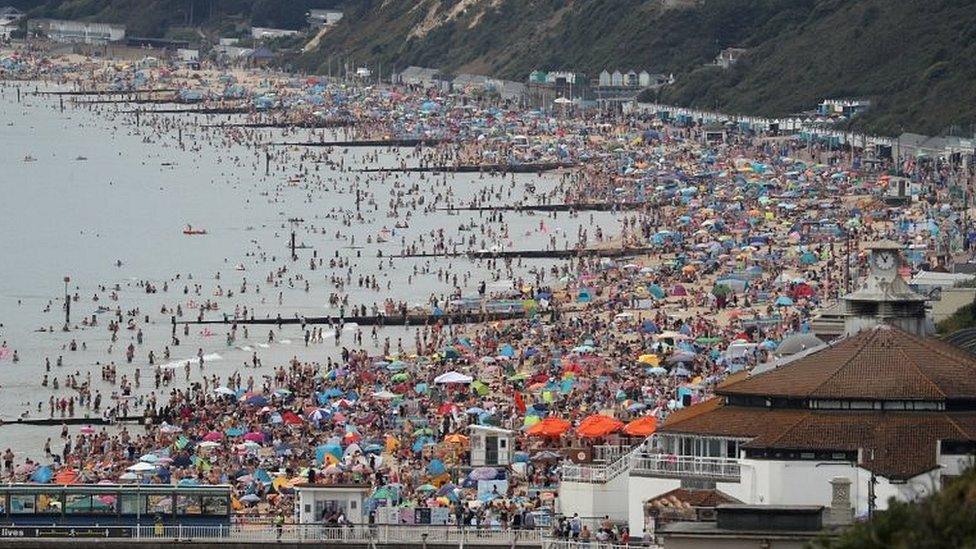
(491, 450)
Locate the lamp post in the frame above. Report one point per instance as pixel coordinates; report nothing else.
(67, 304)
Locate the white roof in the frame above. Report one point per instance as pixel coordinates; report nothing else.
(491, 429)
(453, 377)
(943, 280)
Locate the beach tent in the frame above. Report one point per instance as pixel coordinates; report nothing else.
(453, 377)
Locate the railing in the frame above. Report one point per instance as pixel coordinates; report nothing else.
(555, 543)
(668, 465)
(608, 453)
(353, 534)
(597, 473)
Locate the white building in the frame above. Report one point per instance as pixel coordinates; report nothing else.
(419, 76)
(317, 500)
(324, 18)
(644, 79)
(617, 79)
(883, 408)
(491, 446)
(84, 32)
(263, 33)
(604, 79)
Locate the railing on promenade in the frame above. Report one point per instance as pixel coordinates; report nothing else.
(351, 534)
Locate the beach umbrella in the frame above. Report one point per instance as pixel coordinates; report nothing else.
(483, 473)
(427, 488)
(225, 391)
(250, 499)
(385, 492)
(436, 467)
(256, 400)
(149, 458)
(656, 371)
(547, 455)
(213, 436)
(783, 301)
(641, 427)
(234, 432)
(598, 425)
(141, 467)
(649, 359)
(551, 427)
(456, 438)
(87, 430)
(255, 436)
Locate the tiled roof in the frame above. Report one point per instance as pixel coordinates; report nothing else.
(694, 498)
(896, 445)
(882, 363)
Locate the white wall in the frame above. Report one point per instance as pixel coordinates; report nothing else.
(641, 490)
(593, 499)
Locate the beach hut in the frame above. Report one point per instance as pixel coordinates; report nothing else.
(318, 500)
(491, 446)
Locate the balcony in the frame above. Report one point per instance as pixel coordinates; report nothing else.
(672, 466)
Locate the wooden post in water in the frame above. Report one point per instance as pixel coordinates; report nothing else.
(294, 256)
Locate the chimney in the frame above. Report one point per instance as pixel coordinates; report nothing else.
(840, 512)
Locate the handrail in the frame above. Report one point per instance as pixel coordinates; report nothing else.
(290, 533)
(695, 466)
(598, 473)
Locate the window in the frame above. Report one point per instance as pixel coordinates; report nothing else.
(217, 505)
(188, 505)
(22, 504)
(49, 503)
(159, 503)
(132, 504)
(77, 504)
(714, 448)
(104, 504)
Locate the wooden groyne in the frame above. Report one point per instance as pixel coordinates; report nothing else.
(536, 254)
(106, 92)
(365, 143)
(311, 124)
(574, 207)
(372, 320)
(145, 101)
(71, 421)
(475, 168)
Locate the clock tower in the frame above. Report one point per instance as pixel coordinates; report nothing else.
(885, 298)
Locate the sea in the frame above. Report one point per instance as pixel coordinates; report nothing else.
(89, 196)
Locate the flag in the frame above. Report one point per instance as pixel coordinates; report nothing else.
(519, 403)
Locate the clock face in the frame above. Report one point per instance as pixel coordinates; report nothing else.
(885, 260)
